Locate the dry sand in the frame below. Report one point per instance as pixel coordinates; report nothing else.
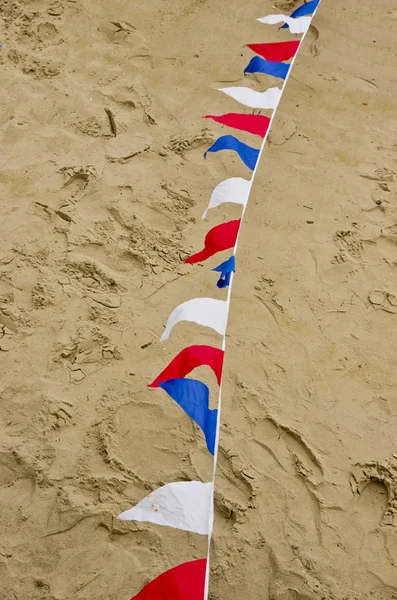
(94, 228)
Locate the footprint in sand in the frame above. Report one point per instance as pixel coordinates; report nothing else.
(285, 4)
(372, 504)
(312, 39)
(48, 33)
(324, 524)
(285, 131)
(374, 486)
(383, 300)
(75, 181)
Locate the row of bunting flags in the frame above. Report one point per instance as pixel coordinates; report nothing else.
(189, 505)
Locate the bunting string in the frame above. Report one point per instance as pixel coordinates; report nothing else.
(189, 505)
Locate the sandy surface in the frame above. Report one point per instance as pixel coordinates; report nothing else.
(94, 228)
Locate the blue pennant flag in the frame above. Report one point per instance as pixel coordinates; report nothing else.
(193, 397)
(305, 9)
(248, 155)
(225, 269)
(260, 65)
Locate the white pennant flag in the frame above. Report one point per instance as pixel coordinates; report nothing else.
(183, 505)
(298, 25)
(253, 99)
(235, 189)
(204, 311)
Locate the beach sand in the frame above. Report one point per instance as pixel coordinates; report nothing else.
(94, 229)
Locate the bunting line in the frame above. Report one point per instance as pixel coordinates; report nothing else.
(287, 51)
(189, 505)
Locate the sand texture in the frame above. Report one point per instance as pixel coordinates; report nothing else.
(94, 228)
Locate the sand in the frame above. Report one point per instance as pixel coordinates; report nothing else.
(94, 230)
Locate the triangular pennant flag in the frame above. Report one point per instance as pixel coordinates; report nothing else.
(204, 311)
(299, 25)
(190, 358)
(256, 124)
(221, 237)
(253, 99)
(235, 189)
(276, 51)
(225, 269)
(305, 9)
(184, 582)
(260, 65)
(193, 396)
(183, 505)
(248, 155)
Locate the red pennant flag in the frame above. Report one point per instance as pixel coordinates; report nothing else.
(190, 358)
(184, 582)
(276, 51)
(221, 237)
(256, 124)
